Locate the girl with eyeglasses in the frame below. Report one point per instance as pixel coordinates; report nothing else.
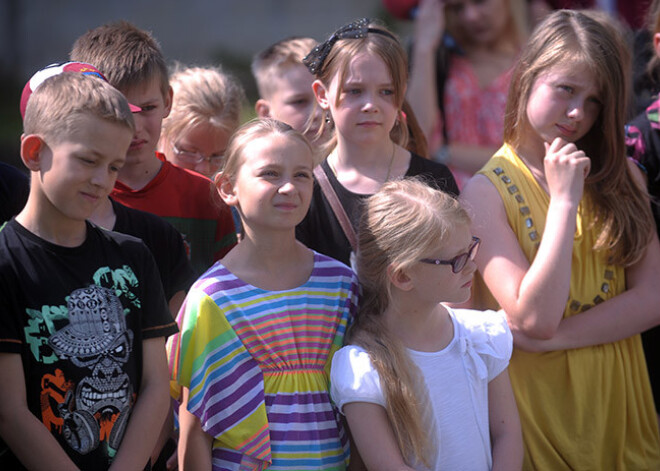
(206, 110)
(422, 385)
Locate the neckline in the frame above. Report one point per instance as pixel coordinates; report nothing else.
(449, 346)
(329, 171)
(312, 275)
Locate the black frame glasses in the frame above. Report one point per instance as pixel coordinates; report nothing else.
(459, 261)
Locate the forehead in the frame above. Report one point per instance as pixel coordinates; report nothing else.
(149, 90)
(294, 78)
(457, 242)
(204, 133)
(575, 72)
(98, 135)
(277, 147)
(368, 68)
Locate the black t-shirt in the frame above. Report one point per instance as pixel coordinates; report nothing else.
(164, 241)
(78, 316)
(643, 145)
(321, 231)
(14, 190)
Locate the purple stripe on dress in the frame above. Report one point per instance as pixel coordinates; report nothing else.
(237, 416)
(223, 285)
(301, 417)
(230, 400)
(328, 271)
(227, 455)
(301, 398)
(218, 386)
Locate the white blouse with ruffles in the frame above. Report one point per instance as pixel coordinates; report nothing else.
(457, 379)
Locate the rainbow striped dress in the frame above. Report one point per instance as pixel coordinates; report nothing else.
(257, 366)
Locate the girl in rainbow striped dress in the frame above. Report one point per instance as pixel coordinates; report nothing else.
(259, 328)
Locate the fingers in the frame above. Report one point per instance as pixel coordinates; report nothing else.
(562, 151)
(429, 23)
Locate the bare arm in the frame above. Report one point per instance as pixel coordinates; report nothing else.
(175, 302)
(505, 432)
(195, 444)
(422, 88)
(629, 313)
(374, 438)
(150, 410)
(533, 295)
(21, 429)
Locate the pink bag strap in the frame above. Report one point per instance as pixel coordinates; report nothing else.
(336, 206)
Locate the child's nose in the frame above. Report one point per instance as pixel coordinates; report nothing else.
(369, 102)
(576, 111)
(287, 187)
(139, 121)
(103, 177)
(204, 167)
(470, 13)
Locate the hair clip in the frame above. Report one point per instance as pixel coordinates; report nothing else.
(356, 30)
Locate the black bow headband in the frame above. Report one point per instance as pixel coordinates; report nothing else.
(356, 30)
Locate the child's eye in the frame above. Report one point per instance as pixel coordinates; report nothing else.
(148, 108)
(87, 160)
(299, 102)
(115, 168)
(269, 173)
(305, 175)
(353, 91)
(387, 92)
(566, 88)
(594, 101)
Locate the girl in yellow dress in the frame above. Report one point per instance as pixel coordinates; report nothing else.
(570, 252)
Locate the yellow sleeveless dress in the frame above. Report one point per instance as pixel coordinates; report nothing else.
(583, 409)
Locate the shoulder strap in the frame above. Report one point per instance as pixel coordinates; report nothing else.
(336, 205)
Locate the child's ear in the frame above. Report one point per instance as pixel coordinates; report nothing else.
(656, 44)
(31, 148)
(321, 94)
(225, 189)
(399, 278)
(168, 101)
(262, 107)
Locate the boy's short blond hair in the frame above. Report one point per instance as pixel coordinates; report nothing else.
(203, 95)
(125, 54)
(56, 105)
(271, 61)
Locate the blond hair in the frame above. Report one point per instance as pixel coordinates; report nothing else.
(389, 50)
(125, 54)
(401, 224)
(254, 129)
(621, 207)
(276, 58)
(203, 95)
(60, 101)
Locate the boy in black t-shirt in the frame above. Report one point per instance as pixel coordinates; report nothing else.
(83, 372)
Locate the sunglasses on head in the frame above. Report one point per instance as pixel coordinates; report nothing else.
(459, 261)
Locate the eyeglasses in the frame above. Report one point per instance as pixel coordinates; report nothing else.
(459, 261)
(196, 157)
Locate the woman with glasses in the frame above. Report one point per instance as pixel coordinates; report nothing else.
(422, 385)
